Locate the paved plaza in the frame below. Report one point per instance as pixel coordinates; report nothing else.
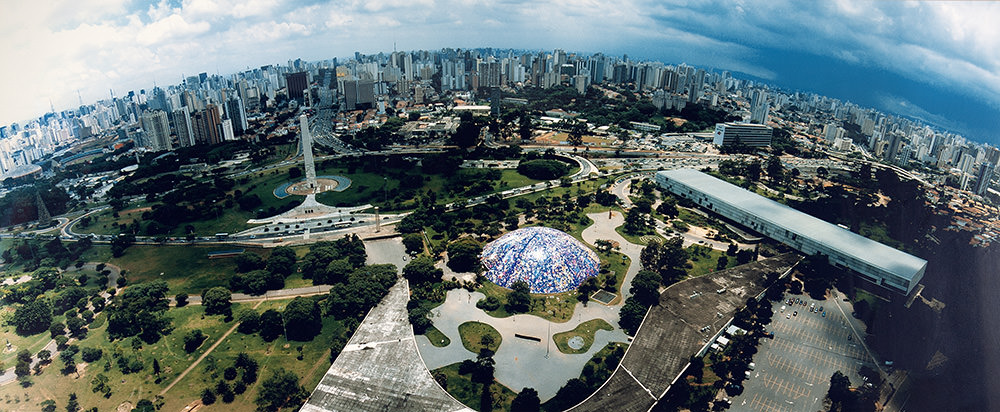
(793, 370)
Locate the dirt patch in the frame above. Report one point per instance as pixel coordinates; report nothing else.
(124, 407)
(193, 406)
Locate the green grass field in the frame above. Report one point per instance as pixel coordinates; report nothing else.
(704, 259)
(270, 355)
(437, 338)
(185, 268)
(585, 330)
(168, 351)
(473, 334)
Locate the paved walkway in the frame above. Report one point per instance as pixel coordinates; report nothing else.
(604, 228)
(522, 363)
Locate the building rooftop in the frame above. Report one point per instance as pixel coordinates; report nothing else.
(380, 368)
(866, 250)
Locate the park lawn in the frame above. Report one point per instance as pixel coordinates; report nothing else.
(641, 240)
(295, 280)
(185, 268)
(168, 351)
(704, 259)
(472, 334)
(510, 179)
(468, 392)
(436, 337)
(556, 307)
(279, 353)
(103, 223)
(585, 330)
(33, 343)
(618, 263)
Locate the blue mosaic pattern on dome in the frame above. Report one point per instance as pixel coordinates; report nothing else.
(548, 260)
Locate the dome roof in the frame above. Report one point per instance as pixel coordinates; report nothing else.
(550, 261)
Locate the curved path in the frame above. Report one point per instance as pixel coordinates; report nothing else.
(522, 362)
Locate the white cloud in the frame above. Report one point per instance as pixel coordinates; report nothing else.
(168, 28)
(62, 45)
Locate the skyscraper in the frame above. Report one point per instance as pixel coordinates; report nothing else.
(236, 113)
(297, 84)
(206, 125)
(156, 130)
(359, 94)
(182, 127)
(986, 171)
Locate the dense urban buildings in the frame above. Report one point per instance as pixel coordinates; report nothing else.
(211, 108)
(878, 263)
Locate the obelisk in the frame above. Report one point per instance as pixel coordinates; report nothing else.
(307, 153)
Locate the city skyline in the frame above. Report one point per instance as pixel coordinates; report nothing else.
(933, 62)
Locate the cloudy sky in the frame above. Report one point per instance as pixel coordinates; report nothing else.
(938, 61)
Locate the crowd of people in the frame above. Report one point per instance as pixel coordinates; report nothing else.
(548, 260)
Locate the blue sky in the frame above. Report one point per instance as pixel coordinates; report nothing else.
(939, 61)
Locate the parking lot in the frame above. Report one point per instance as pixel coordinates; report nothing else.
(793, 370)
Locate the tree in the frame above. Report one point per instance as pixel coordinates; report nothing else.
(840, 390)
(519, 299)
(422, 271)
(90, 355)
(217, 301)
(279, 390)
(139, 311)
(100, 384)
(336, 271)
(646, 287)
(249, 261)
(722, 262)
(207, 396)
(249, 322)
(574, 391)
(193, 339)
(270, 325)
(302, 319)
(56, 329)
(463, 255)
(526, 401)
(666, 258)
(144, 405)
(631, 314)
(76, 326)
(282, 260)
(120, 243)
(775, 171)
(668, 207)
(156, 367)
(636, 223)
(73, 405)
(32, 317)
(414, 243)
(44, 356)
(543, 169)
(467, 133)
(181, 299)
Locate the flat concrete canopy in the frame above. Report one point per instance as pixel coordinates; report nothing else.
(671, 333)
(380, 368)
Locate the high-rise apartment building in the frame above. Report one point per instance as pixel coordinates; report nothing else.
(206, 125)
(298, 83)
(156, 130)
(182, 127)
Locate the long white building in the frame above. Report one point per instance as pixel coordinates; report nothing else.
(874, 261)
(753, 135)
